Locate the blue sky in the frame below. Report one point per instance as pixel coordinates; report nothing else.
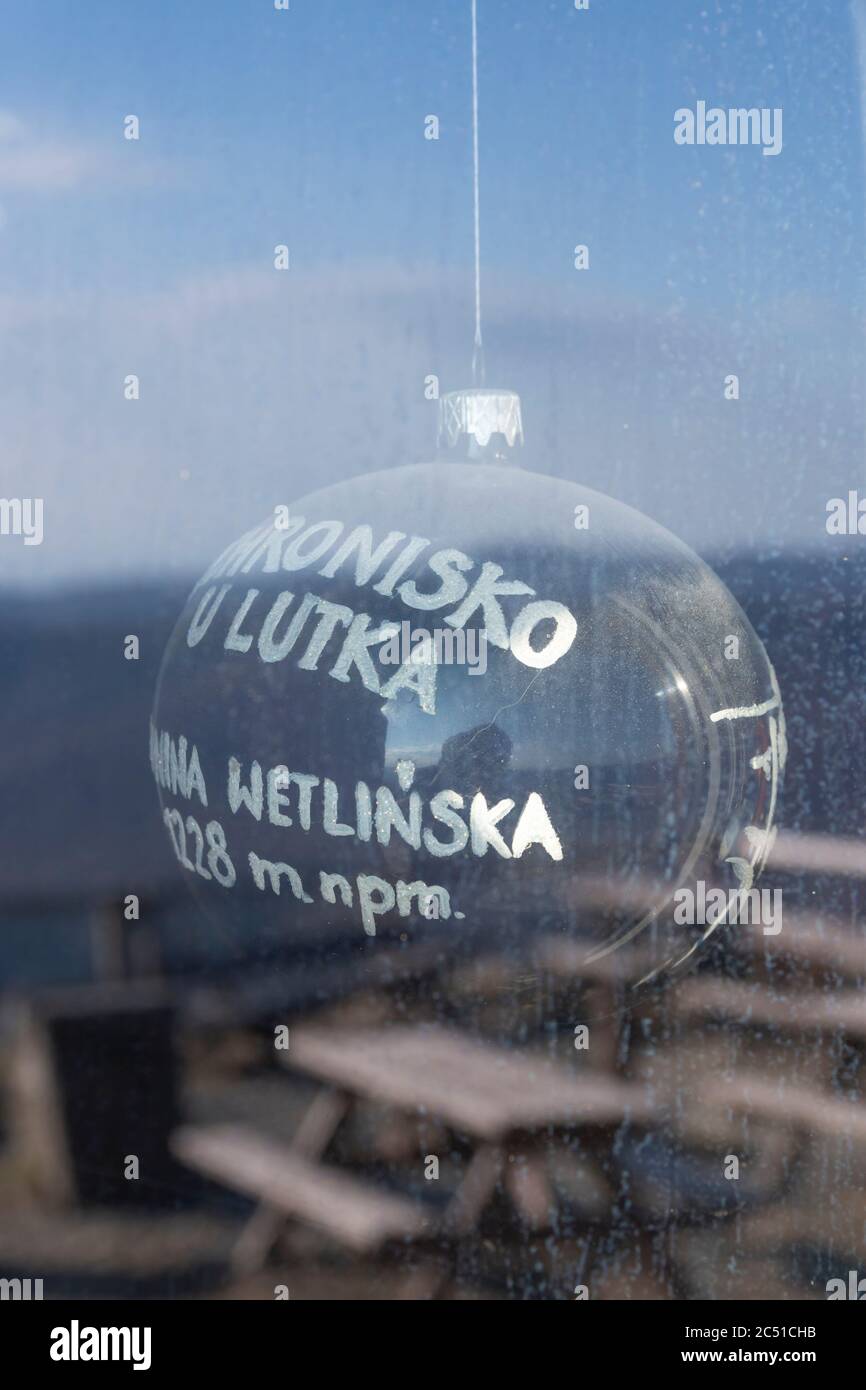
(254, 120)
(306, 127)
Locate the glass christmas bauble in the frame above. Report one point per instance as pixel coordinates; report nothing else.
(466, 704)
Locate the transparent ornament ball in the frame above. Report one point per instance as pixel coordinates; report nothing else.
(462, 705)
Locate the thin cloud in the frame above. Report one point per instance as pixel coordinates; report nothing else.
(34, 163)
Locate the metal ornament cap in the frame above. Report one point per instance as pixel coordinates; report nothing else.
(481, 423)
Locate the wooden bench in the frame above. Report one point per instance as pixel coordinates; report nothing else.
(805, 1108)
(818, 854)
(833, 948)
(353, 1212)
(754, 1006)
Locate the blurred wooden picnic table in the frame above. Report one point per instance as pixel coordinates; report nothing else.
(481, 1090)
(498, 1099)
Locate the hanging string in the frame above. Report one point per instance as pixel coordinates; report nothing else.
(478, 353)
